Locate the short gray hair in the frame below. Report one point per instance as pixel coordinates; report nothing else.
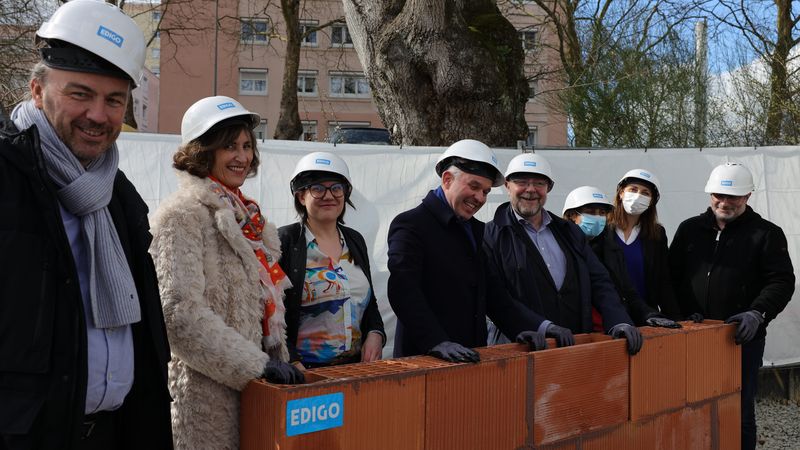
(39, 72)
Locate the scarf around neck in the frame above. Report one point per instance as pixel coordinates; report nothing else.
(86, 194)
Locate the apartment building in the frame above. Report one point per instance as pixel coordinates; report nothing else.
(244, 59)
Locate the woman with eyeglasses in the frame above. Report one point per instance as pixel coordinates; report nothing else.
(634, 222)
(332, 314)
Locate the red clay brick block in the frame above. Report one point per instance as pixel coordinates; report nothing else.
(579, 389)
(728, 422)
(658, 373)
(477, 406)
(685, 429)
(384, 402)
(713, 361)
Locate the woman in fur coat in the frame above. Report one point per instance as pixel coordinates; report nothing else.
(221, 287)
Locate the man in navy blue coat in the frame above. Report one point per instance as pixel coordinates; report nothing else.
(547, 264)
(439, 284)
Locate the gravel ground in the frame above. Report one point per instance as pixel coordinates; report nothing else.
(778, 424)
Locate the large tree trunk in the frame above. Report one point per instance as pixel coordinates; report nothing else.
(289, 125)
(442, 70)
(779, 97)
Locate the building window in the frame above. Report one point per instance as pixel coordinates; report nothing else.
(307, 83)
(156, 16)
(261, 130)
(252, 82)
(255, 31)
(309, 131)
(349, 85)
(308, 38)
(340, 36)
(155, 52)
(533, 88)
(528, 38)
(531, 140)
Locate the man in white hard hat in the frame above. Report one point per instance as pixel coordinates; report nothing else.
(439, 286)
(83, 349)
(729, 263)
(546, 262)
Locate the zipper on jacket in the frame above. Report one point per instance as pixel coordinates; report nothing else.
(711, 268)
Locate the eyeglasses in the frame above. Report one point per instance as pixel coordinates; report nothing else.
(727, 197)
(526, 182)
(318, 190)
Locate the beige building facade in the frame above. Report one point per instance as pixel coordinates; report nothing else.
(244, 59)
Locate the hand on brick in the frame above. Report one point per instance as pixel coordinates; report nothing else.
(535, 341)
(454, 352)
(631, 334)
(563, 336)
(749, 321)
(280, 372)
(663, 322)
(695, 317)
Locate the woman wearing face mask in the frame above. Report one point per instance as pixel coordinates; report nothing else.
(587, 207)
(634, 221)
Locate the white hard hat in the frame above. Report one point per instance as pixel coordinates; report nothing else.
(100, 28)
(471, 150)
(319, 162)
(585, 195)
(643, 175)
(209, 111)
(730, 179)
(533, 164)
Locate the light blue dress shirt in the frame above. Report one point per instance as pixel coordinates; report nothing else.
(110, 350)
(547, 245)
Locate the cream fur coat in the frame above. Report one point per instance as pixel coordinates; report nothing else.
(213, 305)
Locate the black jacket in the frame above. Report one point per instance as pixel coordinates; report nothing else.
(613, 258)
(43, 349)
(440, 286)
(721, 273)
(511, 250)
(293, 262)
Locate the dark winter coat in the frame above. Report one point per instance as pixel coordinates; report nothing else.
(293, 262)
(515, 257)
(43, 349)
(613, 258)
(440, 286)
(721, 273)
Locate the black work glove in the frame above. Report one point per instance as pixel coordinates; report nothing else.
(631, 334)
(280, 372)
(696, 317)
(663, 322)
(563, 336)
(454, 352)
(749, 321)
(535, 341)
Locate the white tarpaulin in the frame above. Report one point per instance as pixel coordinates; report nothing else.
(389, 180)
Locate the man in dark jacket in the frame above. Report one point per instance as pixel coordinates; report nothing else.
(547, 263)
(439, 286)
(729, 263)
(83, 347)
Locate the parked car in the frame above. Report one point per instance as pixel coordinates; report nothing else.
(361, 135)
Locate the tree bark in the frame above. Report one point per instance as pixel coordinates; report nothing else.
(442, 70)
(289, 126)
(779, 96)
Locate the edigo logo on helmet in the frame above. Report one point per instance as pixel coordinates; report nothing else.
(110, 36)
(326, 162)
(226, 105)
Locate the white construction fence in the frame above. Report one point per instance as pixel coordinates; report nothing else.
(388, 180)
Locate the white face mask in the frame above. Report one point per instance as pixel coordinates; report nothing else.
(634, 203)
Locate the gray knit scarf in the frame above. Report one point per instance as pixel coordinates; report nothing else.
(86, 194)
